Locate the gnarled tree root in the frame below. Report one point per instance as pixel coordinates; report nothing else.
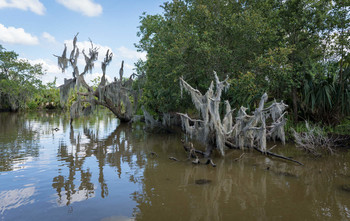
(193, 154)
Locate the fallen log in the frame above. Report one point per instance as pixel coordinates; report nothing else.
(232, 146)
(277, 155)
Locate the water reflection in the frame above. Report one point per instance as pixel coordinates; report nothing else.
(17, 141)
(12, 199)
(256, 187)
(112, 150)
(105, 171)
(20, 135)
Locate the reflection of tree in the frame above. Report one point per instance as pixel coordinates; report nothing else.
(17, 140)
(114, 149)
(245, 189)
(20, 132)
(254, 188)
(75, 163)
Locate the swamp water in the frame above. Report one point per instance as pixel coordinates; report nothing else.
(100, 170)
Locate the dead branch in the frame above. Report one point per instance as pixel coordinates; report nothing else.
(210, 161)
(173, 158)
(247, 131)
(314, 141)
(277, 155)
(115, 96)
(240, 157)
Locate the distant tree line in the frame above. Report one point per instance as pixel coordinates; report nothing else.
(21, 86)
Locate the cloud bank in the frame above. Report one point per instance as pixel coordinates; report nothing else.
(14, 35)
(32, 5)
(48, 37)
(124, 52)
(86, 7)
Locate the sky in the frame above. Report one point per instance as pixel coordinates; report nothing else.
(37, 29)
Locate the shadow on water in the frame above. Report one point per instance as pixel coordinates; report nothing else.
(99, 169)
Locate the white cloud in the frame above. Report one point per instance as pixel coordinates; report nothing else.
(124, 52)
(49, 37)
(52, 71)
(33, 5)
(48, 65)
(86, 7)
(14, 35)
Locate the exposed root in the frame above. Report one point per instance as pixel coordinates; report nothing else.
(192, 153)
(173, 158)
(210, 161)
(196, 161)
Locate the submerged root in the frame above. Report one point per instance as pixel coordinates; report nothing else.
(202, 181)
(192, 153)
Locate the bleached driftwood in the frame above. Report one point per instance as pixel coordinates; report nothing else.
(115, 95)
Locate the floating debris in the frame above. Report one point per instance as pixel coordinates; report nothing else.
(173, 158)
(153, 154)
(345, 187)
(202, 181)
(286, 174)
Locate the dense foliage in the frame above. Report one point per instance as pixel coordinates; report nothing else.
(18, 80)
(295, 50)
(20, 84)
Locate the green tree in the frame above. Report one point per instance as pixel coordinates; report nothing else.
(18, 80)
(326, 89)
(295, 50)
(194, 38)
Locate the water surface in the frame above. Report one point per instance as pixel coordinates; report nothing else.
(98, 169)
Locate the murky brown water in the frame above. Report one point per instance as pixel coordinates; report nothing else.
(100, 170)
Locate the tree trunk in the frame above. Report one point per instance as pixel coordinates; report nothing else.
(295, 104)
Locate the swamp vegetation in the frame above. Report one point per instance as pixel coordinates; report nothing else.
(219, 75)
(99, 169)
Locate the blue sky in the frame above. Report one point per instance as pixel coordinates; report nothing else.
(37, 29)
